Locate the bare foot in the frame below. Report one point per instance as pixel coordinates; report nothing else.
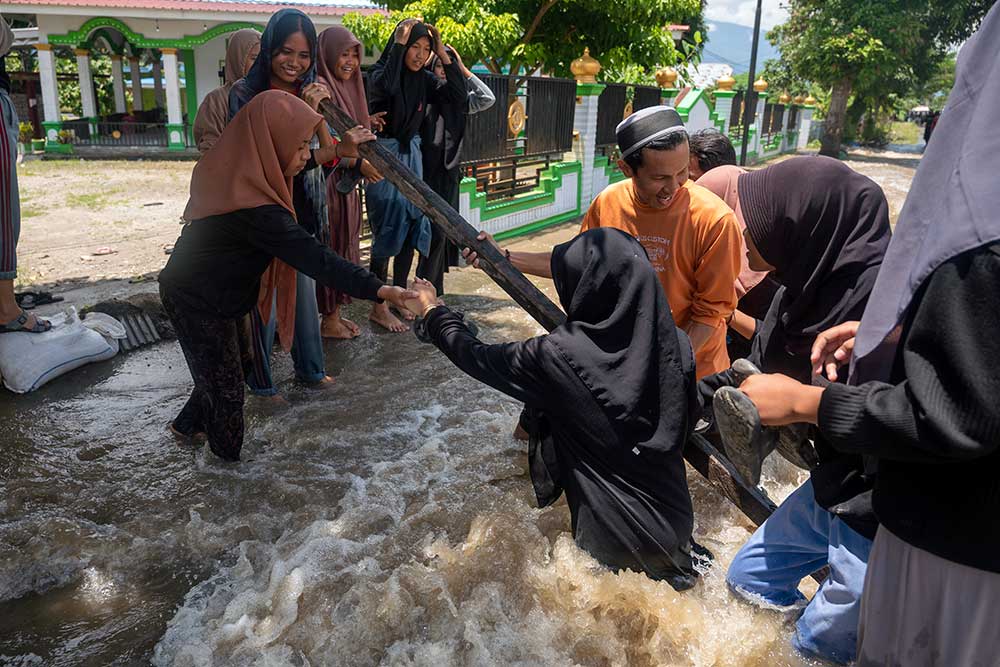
(339, 327)
(520, 433)
(381, 316)
(406, 315)
(326, 383)
(195, 439)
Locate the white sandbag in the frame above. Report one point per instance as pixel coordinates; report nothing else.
(29, 360)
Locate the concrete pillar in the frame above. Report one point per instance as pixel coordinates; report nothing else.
(756, 145)
(175, 120)
(136, 76)
(784, 128)
(118, 82)
(86, 88)
(52, 120)
(585, 143)
(805, 125)
(724, 107)
(158, 84)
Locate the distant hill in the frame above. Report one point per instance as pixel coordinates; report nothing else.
(730, 43)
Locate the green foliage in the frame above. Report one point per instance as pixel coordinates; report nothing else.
(877, 56)
(628, 37)
(25, 132)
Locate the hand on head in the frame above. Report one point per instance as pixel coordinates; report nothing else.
(833, 348)
(426, 297)
(437, 46)
(403, 30)
(458, 59)
(471, 256)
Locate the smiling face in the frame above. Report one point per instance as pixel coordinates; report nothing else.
(418, 54)
(291, 61)
(661, 174)
(347, 64)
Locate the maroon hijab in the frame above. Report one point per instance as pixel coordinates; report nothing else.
(348, 95)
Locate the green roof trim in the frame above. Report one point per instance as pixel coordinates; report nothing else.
(81, 38)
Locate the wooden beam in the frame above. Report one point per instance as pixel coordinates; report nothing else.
(753, 502)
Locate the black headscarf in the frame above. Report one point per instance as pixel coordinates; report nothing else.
(825, 229)
(406, 109)
(283, 23)
(443, 131)
(620, 338)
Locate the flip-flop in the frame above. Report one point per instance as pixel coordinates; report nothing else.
(17, 324)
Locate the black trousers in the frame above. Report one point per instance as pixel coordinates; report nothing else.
(443, 253)
(401, 264)
(218, 354)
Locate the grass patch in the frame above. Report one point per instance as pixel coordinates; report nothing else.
(92, 200)
(31, 212)
(906, 133)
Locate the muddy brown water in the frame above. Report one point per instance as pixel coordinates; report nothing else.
(389, 520)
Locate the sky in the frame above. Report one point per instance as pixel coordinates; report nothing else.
(742, 12)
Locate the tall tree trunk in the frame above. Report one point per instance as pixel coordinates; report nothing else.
(833, 127)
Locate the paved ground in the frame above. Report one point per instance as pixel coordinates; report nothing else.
(72, 211)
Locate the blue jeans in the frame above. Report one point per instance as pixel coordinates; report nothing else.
(798, 539)
(307, 344)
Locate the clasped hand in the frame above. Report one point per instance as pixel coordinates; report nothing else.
(424, 297)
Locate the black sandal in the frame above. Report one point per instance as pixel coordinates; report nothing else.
(17, 324)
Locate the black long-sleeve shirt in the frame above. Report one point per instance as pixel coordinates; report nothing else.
(627, 511)
(217, 262)
(935, 428)
(406, 109)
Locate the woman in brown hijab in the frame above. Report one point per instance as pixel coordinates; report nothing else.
(213, 114)
(338, 67)
(242, 217)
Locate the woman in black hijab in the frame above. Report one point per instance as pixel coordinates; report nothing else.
(400, 86)
(609, 398)
(821, 229)
(441, 135)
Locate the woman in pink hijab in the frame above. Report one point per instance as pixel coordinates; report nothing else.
(722, 181)
(339, 68)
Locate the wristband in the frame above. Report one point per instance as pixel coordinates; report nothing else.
(429, 309)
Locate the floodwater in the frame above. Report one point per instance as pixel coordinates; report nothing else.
(389, 520)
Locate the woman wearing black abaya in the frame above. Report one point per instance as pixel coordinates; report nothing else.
(922, 398)
(822, 229)
(441, 138)
(400, 86)
(610, 398)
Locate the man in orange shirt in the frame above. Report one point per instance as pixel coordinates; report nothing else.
(691, 236)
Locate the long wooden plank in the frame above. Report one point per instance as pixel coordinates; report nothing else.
(699, 452)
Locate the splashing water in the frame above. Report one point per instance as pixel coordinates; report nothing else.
(388, 520)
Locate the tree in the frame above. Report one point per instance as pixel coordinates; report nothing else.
(521, 36)
(869, 50)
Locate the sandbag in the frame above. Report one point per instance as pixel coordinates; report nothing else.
(29, 360)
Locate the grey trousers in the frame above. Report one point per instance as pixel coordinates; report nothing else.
(920, 610)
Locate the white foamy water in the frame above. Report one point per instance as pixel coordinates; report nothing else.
(389, 520)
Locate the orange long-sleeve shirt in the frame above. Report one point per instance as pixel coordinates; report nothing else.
(694, 245)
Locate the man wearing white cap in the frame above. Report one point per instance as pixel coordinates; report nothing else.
(691, 236)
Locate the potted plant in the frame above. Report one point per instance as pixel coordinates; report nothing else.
(65, 142)
(25, 131)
